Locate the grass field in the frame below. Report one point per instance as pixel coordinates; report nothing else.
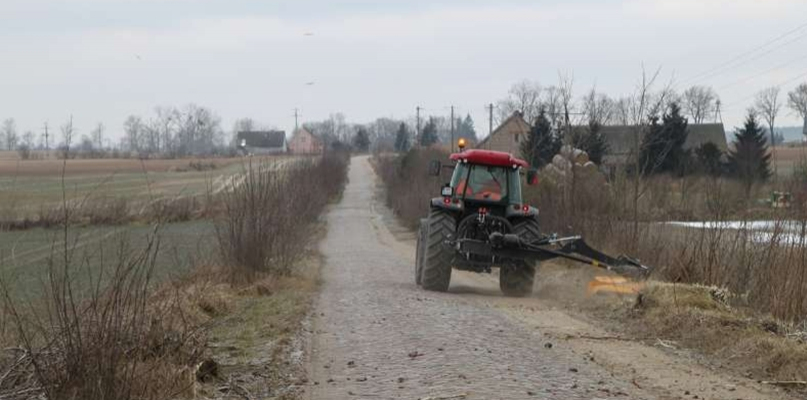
(789, 158)
(25, 255)
(27, 187)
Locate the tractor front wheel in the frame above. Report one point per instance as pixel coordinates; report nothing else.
(518, 278)
(437, 256)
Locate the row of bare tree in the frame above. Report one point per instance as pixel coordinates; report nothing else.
(699, 103)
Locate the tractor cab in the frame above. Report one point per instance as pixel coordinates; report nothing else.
(486, 179)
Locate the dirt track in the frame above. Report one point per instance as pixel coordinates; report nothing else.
(378, 336)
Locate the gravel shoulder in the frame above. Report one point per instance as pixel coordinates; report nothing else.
(376, 335)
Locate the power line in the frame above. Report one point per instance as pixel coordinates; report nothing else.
(780, 66)
(744, 54)
(757, 57)
(793, 79)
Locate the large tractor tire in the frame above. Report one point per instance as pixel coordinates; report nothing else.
(437, 256)
(517, 279)
(421, 245)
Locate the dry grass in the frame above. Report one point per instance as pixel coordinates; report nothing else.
(704, 318)
(771, 274)
(409, 187)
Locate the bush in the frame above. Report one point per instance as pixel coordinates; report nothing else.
(268, 215)
(106, 338)
(409, 187)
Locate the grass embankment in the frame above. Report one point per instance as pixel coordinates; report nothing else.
(755, 321)
(116, 334)
(719, 325)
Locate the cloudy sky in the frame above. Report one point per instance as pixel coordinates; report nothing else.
(102, 60)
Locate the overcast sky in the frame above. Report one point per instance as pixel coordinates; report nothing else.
(102, 60)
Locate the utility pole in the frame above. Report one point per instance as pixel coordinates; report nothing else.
(296, 120)
(490, 128)
(47, 144)
(452, 129)
(417, 125)
(718, 113)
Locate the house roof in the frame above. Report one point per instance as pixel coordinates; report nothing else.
(516, 118)
(304, 130)
(264, 139)
(621, 138)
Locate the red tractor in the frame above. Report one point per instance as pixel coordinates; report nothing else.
(481, 222)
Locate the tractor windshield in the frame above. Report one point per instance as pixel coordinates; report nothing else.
(486, 183)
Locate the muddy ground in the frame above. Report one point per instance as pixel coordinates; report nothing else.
(376, 335)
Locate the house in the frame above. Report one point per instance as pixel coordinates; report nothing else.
(508, 136)
(262, 142)
(305, 142)
(622, 140)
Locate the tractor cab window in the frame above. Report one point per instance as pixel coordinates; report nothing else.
(481, 182)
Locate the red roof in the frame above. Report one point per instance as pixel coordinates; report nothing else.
(489, 157)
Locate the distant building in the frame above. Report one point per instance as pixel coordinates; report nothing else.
(262, 142)
(622, 140)
(508, 136)
(305, 142)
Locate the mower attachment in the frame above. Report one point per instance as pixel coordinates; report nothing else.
(511, 246)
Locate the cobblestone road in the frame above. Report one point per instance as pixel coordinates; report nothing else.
(378, 336)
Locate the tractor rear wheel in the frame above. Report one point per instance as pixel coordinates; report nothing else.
(437, 256)
(518, 278)
(419, 254)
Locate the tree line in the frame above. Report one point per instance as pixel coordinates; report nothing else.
(389, 134)
(661, 132)
(169, 132)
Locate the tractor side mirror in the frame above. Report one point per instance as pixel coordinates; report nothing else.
(435, 167)
(532, 177)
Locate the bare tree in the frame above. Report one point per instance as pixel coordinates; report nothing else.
(133, 129)
(797, 101)
(659, 102)
(244, 125)
(28, 139)
(622, 110)
(767, 104)
(10, 133)
(566, 86)
(199, 130)
(67, 137)
(168, 119)
(598, 108)
(524, 96)
(553, 105)
(699, 102)
(97, 136)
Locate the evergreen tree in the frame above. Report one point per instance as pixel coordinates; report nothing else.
(542, 143)
(750, 160)
(708, 156)
(402, 139)
(361, 142)
(591, 141)
(428, 136)
(466, 129)
(663, 145)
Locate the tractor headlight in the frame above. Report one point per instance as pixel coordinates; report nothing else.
(447, 191)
